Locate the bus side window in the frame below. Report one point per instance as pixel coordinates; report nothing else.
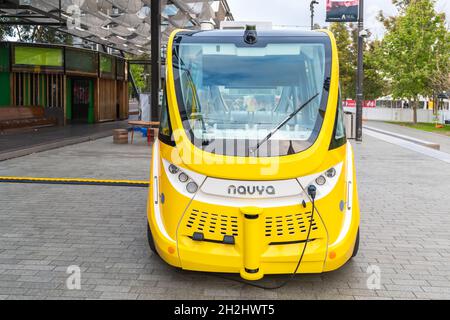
(338, 139)
(165, 129)
(340, 129)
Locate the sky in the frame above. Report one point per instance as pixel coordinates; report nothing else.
(295, 13)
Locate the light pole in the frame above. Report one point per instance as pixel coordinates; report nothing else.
(155, 39)
(360, 72)
(311, 7)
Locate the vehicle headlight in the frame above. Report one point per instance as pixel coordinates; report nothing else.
(325, 180)
(192, 187)
(183, 177)
(320, 180)
(330, 173)
(173, 169)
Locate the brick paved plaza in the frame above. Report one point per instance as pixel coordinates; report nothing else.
(405, 231)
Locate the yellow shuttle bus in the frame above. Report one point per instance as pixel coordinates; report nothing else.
(252, 172)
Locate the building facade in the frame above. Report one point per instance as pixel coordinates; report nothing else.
(72, 85)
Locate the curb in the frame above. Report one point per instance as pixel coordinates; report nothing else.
(423, 143)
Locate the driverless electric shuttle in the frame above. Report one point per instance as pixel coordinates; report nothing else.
(251, 172)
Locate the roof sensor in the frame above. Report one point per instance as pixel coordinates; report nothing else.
(250, 35)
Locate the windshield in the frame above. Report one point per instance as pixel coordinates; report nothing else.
(231, 96)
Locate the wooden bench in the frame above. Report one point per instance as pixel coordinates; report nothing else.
(22, 117)
(150, 125)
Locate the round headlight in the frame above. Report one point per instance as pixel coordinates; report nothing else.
(192, 187)
(330, 173)
(183, 177)
(320, 180)
(173, 169)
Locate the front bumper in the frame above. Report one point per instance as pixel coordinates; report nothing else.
(266, 241)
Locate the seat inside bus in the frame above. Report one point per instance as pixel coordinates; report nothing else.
(223, 78)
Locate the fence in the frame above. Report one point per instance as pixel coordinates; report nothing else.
(402, 115)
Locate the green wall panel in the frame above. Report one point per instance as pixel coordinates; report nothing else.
(5, 96)
(81, 61)
(106, 64)
(38, 56)
(4, 58)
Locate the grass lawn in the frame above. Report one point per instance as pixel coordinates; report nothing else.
(430, 127)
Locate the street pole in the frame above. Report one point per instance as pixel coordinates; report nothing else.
(360, 73)
(311, 7)
(155, 25)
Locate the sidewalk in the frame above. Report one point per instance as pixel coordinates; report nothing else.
(404, 231)
(16, 144)
(442, 140)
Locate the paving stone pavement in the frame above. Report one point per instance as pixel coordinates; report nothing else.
(101, 159)
(405, 232)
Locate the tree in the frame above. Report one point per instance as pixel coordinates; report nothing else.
(347, 59)
(440, 79)
(141, 73)
(42, 34)
(401, 4)
(347, 43)
(408, 54)
(389, 23)
(50, 35)
(5, 31)
(37, 33)
(375, 85)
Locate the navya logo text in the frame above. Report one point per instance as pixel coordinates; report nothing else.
(251, 190)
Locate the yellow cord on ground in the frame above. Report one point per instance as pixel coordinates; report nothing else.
(73, 181)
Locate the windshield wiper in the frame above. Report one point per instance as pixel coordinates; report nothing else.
(286, 120)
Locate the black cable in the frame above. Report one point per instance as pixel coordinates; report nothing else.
(312, 193)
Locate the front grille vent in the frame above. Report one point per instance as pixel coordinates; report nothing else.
(214, 224)
(288, 225)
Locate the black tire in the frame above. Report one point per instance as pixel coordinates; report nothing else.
(356, 248)
(151, 242)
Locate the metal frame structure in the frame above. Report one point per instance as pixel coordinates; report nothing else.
(123, 25)
(131, 26)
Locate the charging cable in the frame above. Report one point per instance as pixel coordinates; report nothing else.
(312, 190)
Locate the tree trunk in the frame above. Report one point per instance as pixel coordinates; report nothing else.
(414, 105)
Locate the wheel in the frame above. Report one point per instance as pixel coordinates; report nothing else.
(356, 248)
(151, 242)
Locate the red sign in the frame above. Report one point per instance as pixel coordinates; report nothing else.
(342, 11)
(352, 103)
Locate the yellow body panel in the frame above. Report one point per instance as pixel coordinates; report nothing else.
(270, 243)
